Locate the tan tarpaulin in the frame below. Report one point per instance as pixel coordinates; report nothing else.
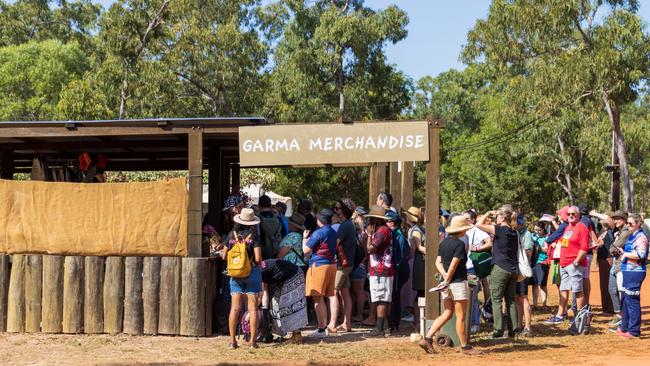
(94, 219)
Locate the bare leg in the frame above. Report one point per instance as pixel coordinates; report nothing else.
(535, 295)
(334, 311)
(460, 308)
(580, 299)
(526, 312)
(233, 318)
(252, 313)
(586, 290)
(321, 311)
(543, 291)
(520, 311)
(443, 318)
(347, 308)
(372, 316)
(359, 299)
(564, 298)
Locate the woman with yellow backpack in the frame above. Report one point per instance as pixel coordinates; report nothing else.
(243, 253)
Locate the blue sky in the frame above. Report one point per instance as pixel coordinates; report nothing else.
(437, 31)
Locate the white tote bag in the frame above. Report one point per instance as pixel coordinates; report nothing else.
(523, 263)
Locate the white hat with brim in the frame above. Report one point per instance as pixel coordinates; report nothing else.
(458, 224)
(377, 212)
(247, 217)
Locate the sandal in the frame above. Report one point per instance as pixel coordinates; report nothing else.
(341, 328)
(232, 345)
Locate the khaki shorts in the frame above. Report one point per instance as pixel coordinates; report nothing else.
(381, 289)
(342, 278)
(456, 291)
(572, 277)
(320, 280)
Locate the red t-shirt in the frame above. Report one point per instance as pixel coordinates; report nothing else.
(381, 262)
(575, 238)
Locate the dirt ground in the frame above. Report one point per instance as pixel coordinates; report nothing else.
(550, 346)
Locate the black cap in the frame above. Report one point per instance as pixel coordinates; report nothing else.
(325, 216)
(584, 209)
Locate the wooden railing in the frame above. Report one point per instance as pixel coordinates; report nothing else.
(132, 295)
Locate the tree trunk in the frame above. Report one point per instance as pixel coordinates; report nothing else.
(564, 170)
(614, 114)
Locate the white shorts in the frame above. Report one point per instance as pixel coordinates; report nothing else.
(381, 289)
(456, 291)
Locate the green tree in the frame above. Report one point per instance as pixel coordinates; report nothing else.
(32, 76)
(579, 52)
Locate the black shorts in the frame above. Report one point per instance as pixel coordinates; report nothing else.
(540, 274)
(522, 287)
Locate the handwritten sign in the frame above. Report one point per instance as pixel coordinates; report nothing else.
(327, 143)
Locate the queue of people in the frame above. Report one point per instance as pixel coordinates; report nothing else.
(348, 266)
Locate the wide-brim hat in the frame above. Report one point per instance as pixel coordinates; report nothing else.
(458, 223)
(377, 212)
(247, 217)
(618, 213)
(297, 220)
(413, 213)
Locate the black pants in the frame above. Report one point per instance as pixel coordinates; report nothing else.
(395, 315)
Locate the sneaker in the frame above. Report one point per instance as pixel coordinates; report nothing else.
(619, 331)
(317, 334)
(470, 351)
(232, 345)
(475, 329)
(613, 330)
(427, 346)
(627, 335)
(555, 320)
(409, 318)
(497, 335)
(616, 320)
(526, 333)
(376, 334)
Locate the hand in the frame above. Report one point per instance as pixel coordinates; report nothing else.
(370, 230)
(593, 213)
(305, 234)
(444, 276)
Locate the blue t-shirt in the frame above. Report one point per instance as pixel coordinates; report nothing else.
(323, 246)
(540, 241)
(636, 243)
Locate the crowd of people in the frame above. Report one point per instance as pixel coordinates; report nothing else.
(346, 266)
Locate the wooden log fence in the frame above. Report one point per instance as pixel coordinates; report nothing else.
(133, 295)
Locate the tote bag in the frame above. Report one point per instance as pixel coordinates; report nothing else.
(523, 264)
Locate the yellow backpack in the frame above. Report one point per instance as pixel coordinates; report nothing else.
(239, 265)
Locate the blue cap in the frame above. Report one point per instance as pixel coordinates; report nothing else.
(392, 216)
(521, 220)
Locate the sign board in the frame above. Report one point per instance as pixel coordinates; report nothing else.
(329, 143)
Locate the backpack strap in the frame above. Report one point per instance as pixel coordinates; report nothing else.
(298, 255)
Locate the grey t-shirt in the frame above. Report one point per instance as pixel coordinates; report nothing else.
(347, 234)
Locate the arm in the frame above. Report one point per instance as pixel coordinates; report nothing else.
(640, 250)
(599, 216)
(415, 242)
(370, 232)
(440, 267)
(305, 241)
(485, 246)
(556, 234)
(258, 254)
(452, 268)
(480, 223)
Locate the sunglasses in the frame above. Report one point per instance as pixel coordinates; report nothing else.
(630, 223)
(572, 214)
(336, 208)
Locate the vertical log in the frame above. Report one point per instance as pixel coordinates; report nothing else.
(33, 293)
(372, 184)
(16, 296)
(94, 295)
(432, 209)
(395, 186)
(195, 204)
(381, 179)
(4, 290)
(210, 294)
(170, 295)
(133, 307)
(150, 294)
(193, 297)
(52, 319)
(73, 276)
(113, 295)
(407, 184)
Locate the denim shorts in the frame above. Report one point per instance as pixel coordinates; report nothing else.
(249, 285)
(359, 274)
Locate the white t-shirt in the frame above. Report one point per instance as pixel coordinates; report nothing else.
(474, 237)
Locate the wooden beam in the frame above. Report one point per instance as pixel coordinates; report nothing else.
(381, 178)
(195, 167)
(215, 202)
(372, 185)
(395, 185)
(235, 172)
(407, 184)
(44, 132)
(432, 214)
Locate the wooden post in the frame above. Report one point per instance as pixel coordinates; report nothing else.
(432, 214)
(133, 307)
(193, 297)
(94, 295)
(372, 185)
(4, 290)
(33, 293)
(235, 172)
(408, 171)
(210, 294)
(381, 180)
(150, 294)
(215, 202)
(16, 296)
(52, 319)
(113, 295)
(395, 186)
(73, 307)
(170, 295)
(195, 161)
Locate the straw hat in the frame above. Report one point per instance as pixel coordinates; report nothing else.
(297, 220)
(618, 214)
(378, 212)
(458, 223)
(413, 213)
(247, 217)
